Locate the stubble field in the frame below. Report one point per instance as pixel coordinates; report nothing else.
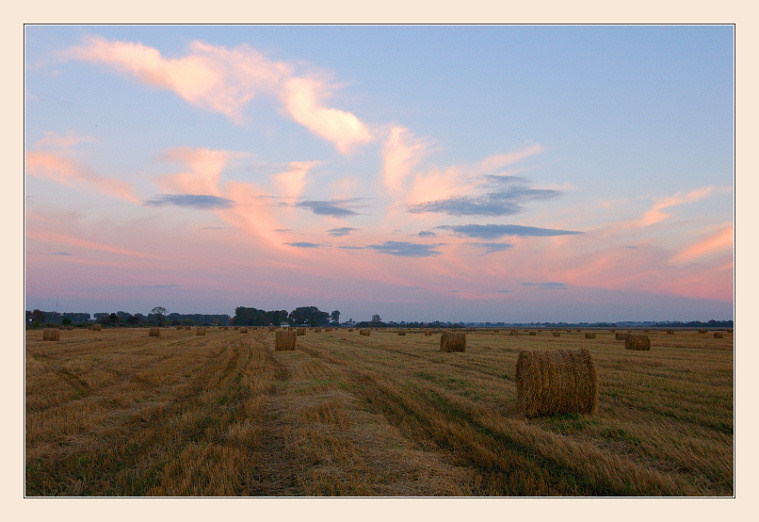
(116, 412)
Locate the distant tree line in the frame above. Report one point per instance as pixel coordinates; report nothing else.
(309, 316)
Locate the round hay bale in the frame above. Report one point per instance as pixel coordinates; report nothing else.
(243, 330)
(637, 342)
(317, 330)
(365, 331)
(96, 327)
(452, 341)
(177, 327)
(702, 331)
(285, 340)
(350, 329)
(562, 381)
(557, 334)
(514, 332)
(620, 336)
(51, 334)
(401, 332)
(200, 330)
(300, 331)
(670, 332)
(154, 332)
(328, 329)
(427, 333)
(590, 335)
(718, 335)
(612, 330)
(187, 328)
(532, 333)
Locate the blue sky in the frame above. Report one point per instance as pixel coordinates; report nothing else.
(614, 142)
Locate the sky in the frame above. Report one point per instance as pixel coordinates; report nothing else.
(453, 173)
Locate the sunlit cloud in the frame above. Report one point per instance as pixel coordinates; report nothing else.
(502, 202)
(293, 180)
(401, 153)
(198, 201)
(50, 165)
(224, 81)
(721, 242)
(499, 231)
(657, 214)
(204, 170)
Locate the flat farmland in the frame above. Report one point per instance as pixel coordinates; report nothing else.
(117, 412)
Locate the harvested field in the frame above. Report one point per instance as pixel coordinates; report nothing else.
(116, 412)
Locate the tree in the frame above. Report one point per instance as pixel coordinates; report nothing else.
(376, 318)
(160, 311)
(335, 315)
(38, 317)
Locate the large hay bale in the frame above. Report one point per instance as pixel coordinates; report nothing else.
(562, 381)
(532, 333)
(637, 342)
(620, 336)
(514, 332)
(702, 331)
(718, 335)
(590, 335)
(317, 330)
(365, 331)
(200, 330)
(452, 341)
(154, 332)
(96, 327)
(177, 327)
(51, 334)
(284, 340)
(612, 330)
(427, 333)
(401, 332)
(300, 331)
(557, 334)
(243, 330)
(670, 332)
(187, 328)
(350, 329)
(328, 329)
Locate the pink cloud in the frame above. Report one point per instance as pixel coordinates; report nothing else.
(224, 81)
(302, 99)
(204, 170)
(657, 214)
(49, 236)
(293, 180)
(401, 153)
(49, 165)
(721, 242)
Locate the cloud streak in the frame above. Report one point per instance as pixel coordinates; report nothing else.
(198, 201)
(499, 231)
(405, 249)
(335, 208)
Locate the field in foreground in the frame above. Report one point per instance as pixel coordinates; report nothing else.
(116, 412)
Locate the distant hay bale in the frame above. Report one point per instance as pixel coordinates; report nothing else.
(718, 335)
(702, 331)
(532, 333)
(562, 381)
(427, 333)
(200, 331)
(670, 332)
(365, 331)
(317, 330)
(557, 334)
(637, 342)
(96, 327)
(401, 332)
(51, 334)
(187, 328)
(154, 332)
(514, 332)
(496, 330)
(620, 336)
(243, 330)
(225, 327)
(328, 329)
(177, 327)
(452, 341)
(300, 331)
(590, 335)
(284, 340)
(69, 327)
(350, 329)
(612, 330)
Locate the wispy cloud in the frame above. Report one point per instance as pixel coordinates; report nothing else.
(499, 231)
(502, 202)
(199, 201)
(547, 285)
(405, 249)
(225, 80)
(720, 242)
(657, 214)
(340, 232)
(334, 208)
(293, 180)
(426, 233)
